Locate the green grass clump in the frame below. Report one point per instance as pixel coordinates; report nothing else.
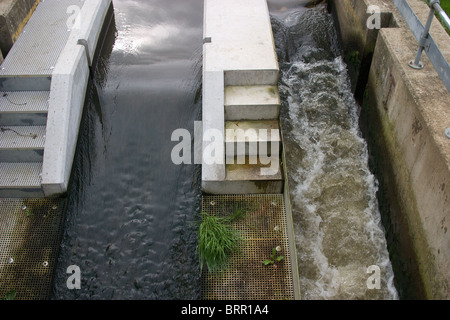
(445, 4)
(217, 240)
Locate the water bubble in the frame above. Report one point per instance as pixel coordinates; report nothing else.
(24, 207)
(11, 260)
(212, 203)
(45, 264)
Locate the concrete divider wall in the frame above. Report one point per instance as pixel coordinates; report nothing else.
(238, 51)
(358, 40)
(405, 114)
(67, 95)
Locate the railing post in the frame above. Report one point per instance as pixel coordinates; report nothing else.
(424, 42)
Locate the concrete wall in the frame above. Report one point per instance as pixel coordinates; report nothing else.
(405, 114)
(14, 14)
(358, 40)
(67, 95)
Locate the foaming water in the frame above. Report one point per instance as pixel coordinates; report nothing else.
(337, 224)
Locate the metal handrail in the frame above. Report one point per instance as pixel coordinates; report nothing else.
(445, 19)
(435, 6)
(426, 42)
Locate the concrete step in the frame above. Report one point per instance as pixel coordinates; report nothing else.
(256, 75)
(22, 143)
(20, 180)
(25, 83)
(252, 138)
(19, 108)
(248, 179)
(261, 102)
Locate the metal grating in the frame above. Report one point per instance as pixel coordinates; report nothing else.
(26, 137)
(39, 45)
(20, 174)
(24, 101)
(263, 228)
(29, 243)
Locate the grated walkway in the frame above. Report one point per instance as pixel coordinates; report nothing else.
(29, 242)
(263, 228)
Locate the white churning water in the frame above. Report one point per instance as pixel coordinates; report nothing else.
(337, 224)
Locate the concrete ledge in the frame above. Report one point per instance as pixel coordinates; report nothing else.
(246, 138)
(242, 187)
(66, 103)
(92, 16)
(358, 40)
(251, 77)
(238, 50)
(246, 51)
(213, 161)
(252, 103)
(409, 111)
(67, 95)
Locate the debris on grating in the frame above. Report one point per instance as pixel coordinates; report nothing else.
(263, 227)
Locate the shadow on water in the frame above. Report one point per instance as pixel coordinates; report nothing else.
(131, 219)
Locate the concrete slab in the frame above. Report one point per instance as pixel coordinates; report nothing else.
(92, 15)
(246, 138)
(213, 161)
(407, 112)
(239, 41)
(67, 95)
(240, 78)
(252, 102)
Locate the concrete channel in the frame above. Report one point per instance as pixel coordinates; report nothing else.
(405, 113)
(404, 116)
(49, 49)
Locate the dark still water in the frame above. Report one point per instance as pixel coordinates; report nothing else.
(131, 219)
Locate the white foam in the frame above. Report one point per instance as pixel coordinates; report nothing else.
(337, 222)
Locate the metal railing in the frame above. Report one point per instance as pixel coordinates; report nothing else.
(437, 6)
(423, 36)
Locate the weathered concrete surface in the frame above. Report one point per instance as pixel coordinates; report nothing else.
(407, 112)
(358, 40)
(14, 14)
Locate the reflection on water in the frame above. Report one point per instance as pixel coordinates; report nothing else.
(337, 226)
(131, 219)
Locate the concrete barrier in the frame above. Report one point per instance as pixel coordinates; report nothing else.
(405, 113)
(240, 77)
(67, 95)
